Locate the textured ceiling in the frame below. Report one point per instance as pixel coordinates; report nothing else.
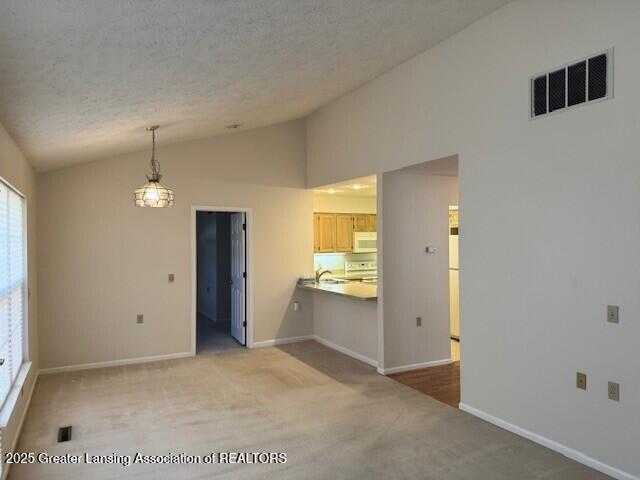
(80, 79)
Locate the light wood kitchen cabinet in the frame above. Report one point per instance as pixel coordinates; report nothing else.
(372, 223)
(344, 233)
(333, 232)
(316, 233)
(364, 223)
(360, 223)
(325, 232)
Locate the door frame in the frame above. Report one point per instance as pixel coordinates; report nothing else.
(249, 266)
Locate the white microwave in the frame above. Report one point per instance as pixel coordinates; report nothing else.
(365, 242)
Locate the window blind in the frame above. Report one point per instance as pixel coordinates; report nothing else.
(12, 287)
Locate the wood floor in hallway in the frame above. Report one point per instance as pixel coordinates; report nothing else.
(332, 416)
(441, 382)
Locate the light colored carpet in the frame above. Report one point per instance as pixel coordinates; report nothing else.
(334, 417)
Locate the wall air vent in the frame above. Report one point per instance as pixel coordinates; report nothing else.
(577, 83)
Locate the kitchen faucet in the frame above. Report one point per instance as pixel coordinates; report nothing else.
(320, 273)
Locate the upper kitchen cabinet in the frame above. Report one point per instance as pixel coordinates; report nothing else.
(316, 233)
(325, 232)
(333, 232)
(373, 223)
(360, 223)
(344, 233)
(364, 223)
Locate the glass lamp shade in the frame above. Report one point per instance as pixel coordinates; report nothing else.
(153, 194)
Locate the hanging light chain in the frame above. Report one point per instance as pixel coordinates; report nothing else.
(155, 164)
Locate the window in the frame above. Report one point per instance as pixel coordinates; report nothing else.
(12, 286)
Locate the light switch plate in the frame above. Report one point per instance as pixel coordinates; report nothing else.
(612, 313)
(140, 318)
(614, 391)
(581, 380)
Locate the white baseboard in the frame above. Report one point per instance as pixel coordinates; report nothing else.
(280, 341)
(413, 366)
(346, 351)
(551, 444)
(115, 363)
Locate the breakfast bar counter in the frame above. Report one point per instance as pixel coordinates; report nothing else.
(358, 290)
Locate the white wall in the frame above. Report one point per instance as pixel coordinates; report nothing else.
(15, 170)
(105, 260)
(348, 324)
(416, 284)
(326, 202)
(549, 209)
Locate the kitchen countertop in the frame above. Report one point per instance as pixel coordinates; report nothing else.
(359, 290)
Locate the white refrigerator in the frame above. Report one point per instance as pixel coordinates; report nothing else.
(454, 282)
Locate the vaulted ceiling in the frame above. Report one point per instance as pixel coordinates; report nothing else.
(81, 79)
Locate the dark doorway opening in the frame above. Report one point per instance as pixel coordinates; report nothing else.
(215, 260)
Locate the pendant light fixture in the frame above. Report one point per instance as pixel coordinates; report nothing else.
(153, 194)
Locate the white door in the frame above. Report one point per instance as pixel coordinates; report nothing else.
(238, 278)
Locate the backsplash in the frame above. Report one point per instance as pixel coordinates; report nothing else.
(335, 261)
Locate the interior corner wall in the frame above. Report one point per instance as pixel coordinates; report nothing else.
(223, 252)
(549, 209)
(114, 259)
(416, 284)
(207, 264)
(16, 170)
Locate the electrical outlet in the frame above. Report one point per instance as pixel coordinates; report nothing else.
(418, 321)
(612, 313)
(614, 391)
(581, 380)
(172, 277)
(140, 318)
(296, 306)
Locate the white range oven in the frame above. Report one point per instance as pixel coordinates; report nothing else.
(366, 271)
(365, 242)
